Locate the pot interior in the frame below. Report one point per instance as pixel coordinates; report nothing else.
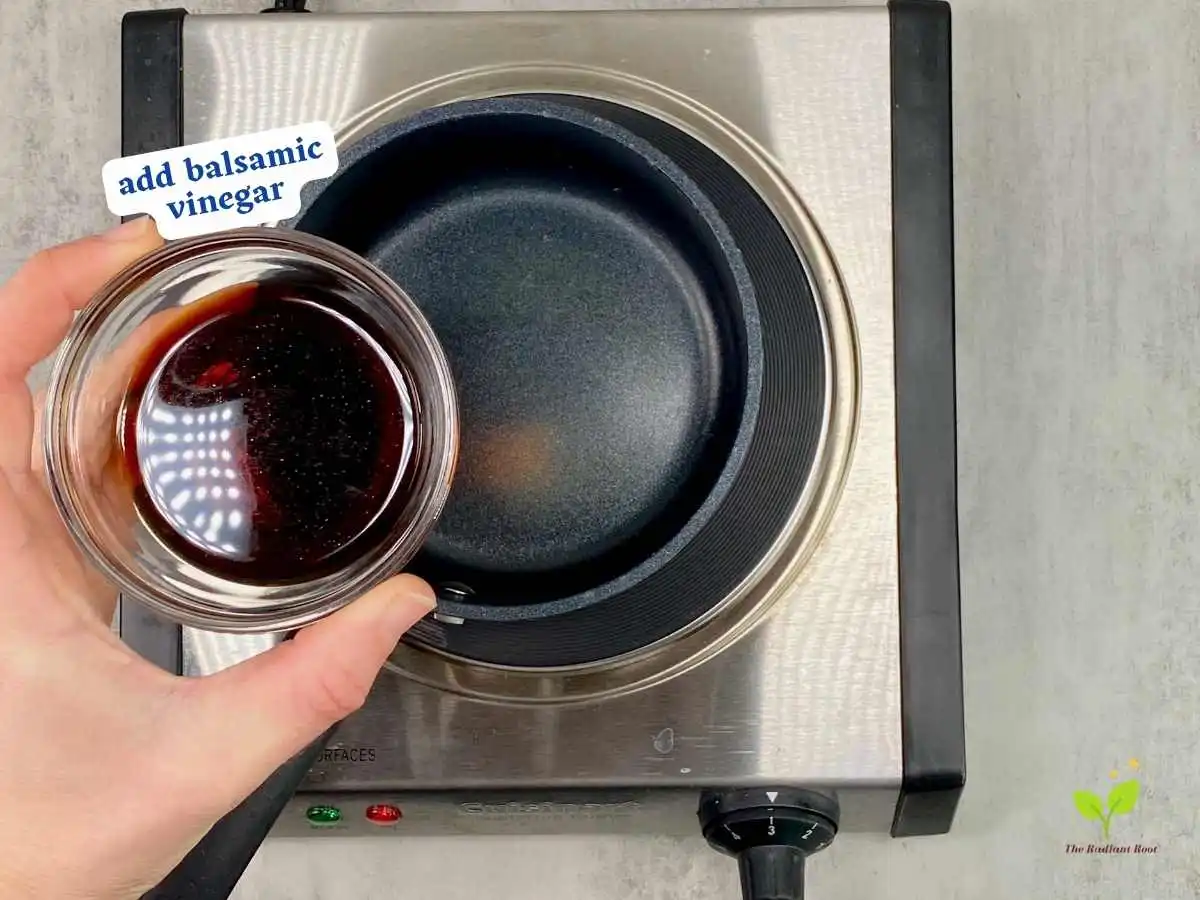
(604, 332)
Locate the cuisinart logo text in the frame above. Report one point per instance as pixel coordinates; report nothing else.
(546, 807)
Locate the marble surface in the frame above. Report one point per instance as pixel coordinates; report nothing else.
(1078, 205)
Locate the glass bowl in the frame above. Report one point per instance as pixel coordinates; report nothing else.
(164, 493)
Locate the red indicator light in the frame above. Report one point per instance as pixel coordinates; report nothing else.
(383, 814)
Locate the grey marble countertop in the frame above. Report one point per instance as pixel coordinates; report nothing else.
(1078, 211)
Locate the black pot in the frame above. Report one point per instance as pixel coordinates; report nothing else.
(639, 362)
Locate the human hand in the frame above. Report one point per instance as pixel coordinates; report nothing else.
(113, 769)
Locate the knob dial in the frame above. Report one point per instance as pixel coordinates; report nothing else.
(771, 832)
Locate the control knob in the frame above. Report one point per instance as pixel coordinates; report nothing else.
(771, 832)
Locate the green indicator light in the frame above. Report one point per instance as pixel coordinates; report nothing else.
(323, 815)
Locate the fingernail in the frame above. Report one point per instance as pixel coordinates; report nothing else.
(411, 598)
(406, 608)
(132, 230)
(421, 594)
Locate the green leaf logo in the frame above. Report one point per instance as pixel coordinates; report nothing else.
(1121, 800)
(1089, 805)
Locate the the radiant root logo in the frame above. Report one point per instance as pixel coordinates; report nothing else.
(1122, 798)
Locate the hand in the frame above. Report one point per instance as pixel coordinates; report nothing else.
(110, 768)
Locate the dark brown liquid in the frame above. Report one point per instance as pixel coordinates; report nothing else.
(266, 433)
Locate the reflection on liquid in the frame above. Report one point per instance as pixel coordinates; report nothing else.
(270, 433)
(194, 470)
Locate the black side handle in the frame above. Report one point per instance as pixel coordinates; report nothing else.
(212, 868)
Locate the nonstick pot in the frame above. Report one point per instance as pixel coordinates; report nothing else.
(638, 359)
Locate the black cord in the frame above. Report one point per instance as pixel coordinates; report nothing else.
(288, 6)
(212, 869)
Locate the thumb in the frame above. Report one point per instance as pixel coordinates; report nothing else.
(271, 706)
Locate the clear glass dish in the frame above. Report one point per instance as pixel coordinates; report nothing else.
(116, 483)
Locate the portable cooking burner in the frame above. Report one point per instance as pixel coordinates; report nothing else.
(694, 274)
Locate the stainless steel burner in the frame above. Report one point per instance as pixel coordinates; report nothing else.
(796, 679)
